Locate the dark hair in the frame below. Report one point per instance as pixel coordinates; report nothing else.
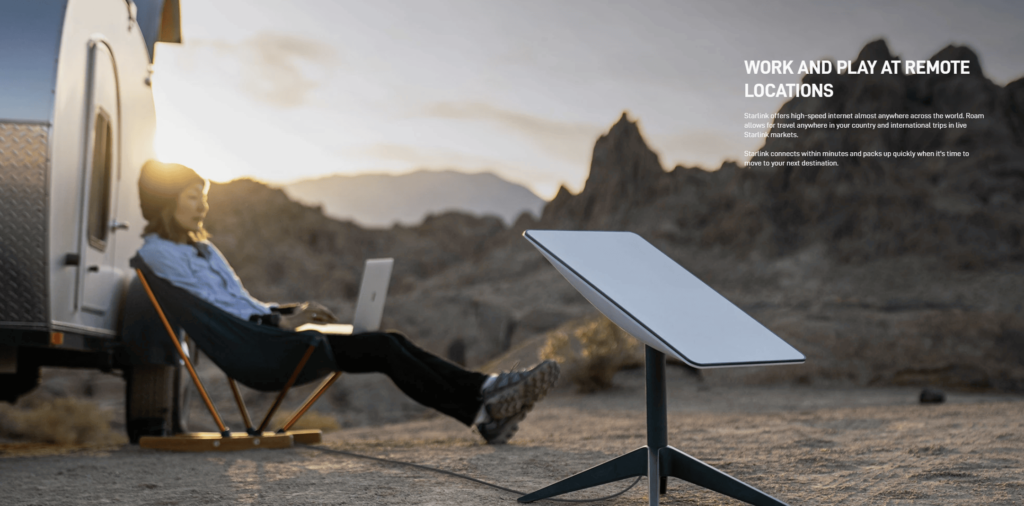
(160, 185)
(167, 227)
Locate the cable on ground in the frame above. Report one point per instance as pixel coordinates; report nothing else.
(470, 478)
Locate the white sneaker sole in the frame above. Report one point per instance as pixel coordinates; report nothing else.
(509, 431)
(522, 396)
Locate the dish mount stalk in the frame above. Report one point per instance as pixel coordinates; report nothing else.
(657, 460)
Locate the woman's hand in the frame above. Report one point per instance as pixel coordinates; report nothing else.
(307, 312)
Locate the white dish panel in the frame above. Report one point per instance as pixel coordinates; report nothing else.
(658, 301)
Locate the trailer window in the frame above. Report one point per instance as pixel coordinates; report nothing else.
(99, 184)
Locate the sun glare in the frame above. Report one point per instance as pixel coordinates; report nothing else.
(206, 123)
(172, 147)
(177, 140)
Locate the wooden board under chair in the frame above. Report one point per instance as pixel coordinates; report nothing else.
(306, 436)
(213, 442)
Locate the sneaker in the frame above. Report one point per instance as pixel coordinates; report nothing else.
(498, 432)
(515, 392)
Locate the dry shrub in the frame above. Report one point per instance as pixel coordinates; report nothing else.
(591, 352)
(64, 420)
(310, 420)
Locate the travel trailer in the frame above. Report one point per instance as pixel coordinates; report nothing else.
(76, 124)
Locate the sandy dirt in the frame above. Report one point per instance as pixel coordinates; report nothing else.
(804, 445)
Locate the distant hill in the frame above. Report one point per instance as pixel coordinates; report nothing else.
(382, 200)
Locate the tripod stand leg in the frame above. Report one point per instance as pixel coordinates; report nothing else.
(631, 464)
(676, 463)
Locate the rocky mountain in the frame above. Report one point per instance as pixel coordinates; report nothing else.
(383, 200)
(882, 272)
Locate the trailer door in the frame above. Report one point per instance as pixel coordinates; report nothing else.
(99, 282)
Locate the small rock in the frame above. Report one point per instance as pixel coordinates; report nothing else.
(932, 396)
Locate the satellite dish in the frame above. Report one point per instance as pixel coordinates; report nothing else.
(659, 302)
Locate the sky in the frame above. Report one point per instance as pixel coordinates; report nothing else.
(281, 91)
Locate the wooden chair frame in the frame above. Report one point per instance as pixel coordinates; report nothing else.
(225, 440)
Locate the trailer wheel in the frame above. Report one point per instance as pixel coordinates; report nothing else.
(156, 400)
(149, 397)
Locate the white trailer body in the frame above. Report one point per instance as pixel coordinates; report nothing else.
(76, 124)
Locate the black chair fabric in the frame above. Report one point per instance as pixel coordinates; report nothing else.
(258, 356)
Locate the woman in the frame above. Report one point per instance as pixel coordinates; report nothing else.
(173, 199)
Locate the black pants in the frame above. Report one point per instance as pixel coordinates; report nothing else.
(428, 379)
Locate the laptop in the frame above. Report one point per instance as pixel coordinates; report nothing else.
(373, 290)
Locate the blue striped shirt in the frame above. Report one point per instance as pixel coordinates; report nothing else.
(201, 270)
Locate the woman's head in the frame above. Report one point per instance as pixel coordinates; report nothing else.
(173, 199)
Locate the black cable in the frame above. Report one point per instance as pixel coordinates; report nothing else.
(470, 478)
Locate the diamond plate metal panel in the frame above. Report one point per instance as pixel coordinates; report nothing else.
(23, 215)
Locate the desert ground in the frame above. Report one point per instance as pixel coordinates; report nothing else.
(801, 444)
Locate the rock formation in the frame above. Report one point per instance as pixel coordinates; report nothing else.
(623, 173)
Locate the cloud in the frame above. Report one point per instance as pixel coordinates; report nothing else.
(274, 68)
(569, 141)
(280, 68)
(421, 157)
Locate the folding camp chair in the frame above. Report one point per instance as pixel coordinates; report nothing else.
(261, 359)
